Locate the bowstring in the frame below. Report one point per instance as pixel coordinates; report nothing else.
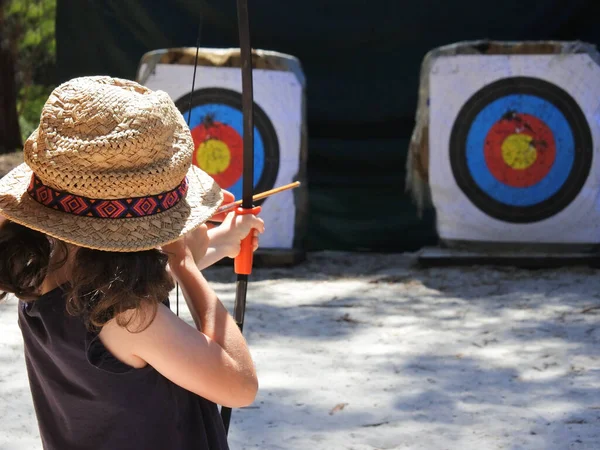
(189, 118)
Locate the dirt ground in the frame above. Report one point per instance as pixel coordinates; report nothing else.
(9, 162)
(363, 351)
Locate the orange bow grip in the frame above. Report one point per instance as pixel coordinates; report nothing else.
(243, 261)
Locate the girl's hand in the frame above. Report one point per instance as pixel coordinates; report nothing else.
(228, 236)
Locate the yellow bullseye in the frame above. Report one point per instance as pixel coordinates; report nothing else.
(213, 156)
(518, 152)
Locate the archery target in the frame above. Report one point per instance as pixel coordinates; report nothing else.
(512, 148)
(521, 149)
(216, 123)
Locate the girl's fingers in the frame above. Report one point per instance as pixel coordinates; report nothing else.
(256, 223)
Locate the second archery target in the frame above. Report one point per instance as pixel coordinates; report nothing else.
(512, 148)
(521, 149)
(216, 124)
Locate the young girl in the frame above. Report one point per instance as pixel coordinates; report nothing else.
(104, 214)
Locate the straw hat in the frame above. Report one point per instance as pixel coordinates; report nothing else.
(109, 168)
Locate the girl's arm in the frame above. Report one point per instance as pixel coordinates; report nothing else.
(214, 363)
(223, 240)
(219, 247)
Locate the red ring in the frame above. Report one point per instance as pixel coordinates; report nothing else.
(209, 129)
(543, 140)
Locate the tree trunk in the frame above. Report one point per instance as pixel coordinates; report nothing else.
(10, 134)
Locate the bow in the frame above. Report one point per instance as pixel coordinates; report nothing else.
(243, 262)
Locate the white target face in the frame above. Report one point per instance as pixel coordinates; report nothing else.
(216, 125)
(513, 154)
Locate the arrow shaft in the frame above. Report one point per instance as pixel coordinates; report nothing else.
(230, 206)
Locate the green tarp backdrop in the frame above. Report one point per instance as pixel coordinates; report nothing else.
(361, 59)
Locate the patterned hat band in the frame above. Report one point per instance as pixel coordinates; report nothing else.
(122, 208)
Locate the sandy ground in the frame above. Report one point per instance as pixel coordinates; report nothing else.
(10, 161)
(360, 351)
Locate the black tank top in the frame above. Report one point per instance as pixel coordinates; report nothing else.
(86, 399)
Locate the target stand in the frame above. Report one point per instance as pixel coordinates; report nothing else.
(512, 151)
(215, 119)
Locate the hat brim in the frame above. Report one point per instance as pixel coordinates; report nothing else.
(203, 198)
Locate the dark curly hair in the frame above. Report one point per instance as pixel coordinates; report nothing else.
(102, 284)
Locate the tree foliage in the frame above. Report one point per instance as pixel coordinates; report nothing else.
(29, 25)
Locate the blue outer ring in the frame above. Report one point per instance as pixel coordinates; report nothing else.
(563, 137)
(232, 117)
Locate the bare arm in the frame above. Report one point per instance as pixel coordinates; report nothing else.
(212, 318)
(214, 363)
(216, 251)
(223, 240)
